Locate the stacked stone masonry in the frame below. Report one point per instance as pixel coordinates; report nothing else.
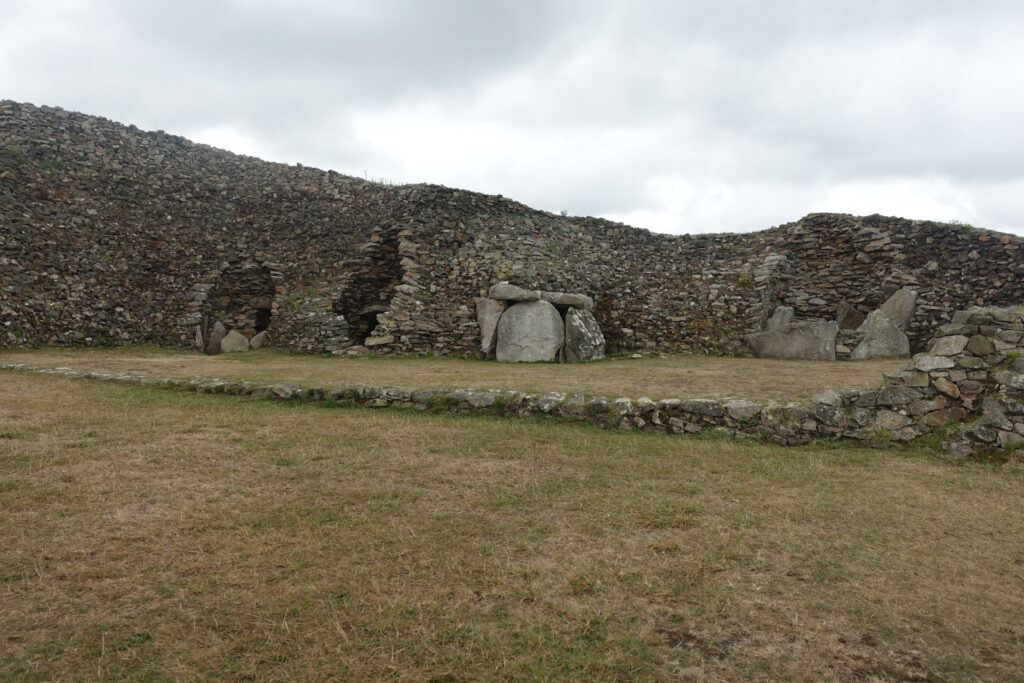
(111, 235)
(972, 373)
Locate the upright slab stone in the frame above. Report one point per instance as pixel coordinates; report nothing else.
(781, 317)
(217, 333)
(488, 312)
(259, 340)
(900, 307)
(882, 339)
(584, 341)
(530, 331)
(807, 341)
(234, 341)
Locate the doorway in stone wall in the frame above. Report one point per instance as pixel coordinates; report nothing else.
(370, 285)
(241, 300)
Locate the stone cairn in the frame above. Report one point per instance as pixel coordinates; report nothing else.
(519, 325)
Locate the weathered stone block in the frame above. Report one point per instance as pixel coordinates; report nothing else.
(233, 342)
(882, 339)
(899, 307)
(530, 331)
(510, 292)
(807, 340)
(584, 341)
(488, 312)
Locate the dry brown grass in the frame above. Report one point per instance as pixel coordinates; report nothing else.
(678, 376)
(158, 535)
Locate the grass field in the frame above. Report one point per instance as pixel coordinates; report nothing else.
(155, 535)
(674, 377)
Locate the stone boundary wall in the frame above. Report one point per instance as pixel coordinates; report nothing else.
(973, 372)
(111, 235)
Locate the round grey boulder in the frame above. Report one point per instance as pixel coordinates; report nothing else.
(530, 331)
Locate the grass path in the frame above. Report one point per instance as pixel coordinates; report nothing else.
(674, 377)
(157, 534)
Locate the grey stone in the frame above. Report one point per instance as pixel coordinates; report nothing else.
(949, 346)
(488, 312)
(742, 410)
(623, 406)
(530, 331)
(234, 341)
(804, 340)
(548, 402)
(217, 333)
(781, 317)
(896, 395)
(509, 292)
(829, 397)
(980, 345)
(583, 339)
(899, 307)
(928, 363)
(581, 301)
(645, 406)
(259, 340)
(882, 339)
(703, 406)
(890, 420)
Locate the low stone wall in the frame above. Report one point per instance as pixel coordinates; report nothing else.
(973, 372)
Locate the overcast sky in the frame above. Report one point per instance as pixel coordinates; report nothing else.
(673, 116)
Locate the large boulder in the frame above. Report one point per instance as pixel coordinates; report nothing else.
(806, 340)
(882, 339)
(583, 339)
(530, 331)
(259, 340)
(234, 341)
(900, 307)
(488, 312)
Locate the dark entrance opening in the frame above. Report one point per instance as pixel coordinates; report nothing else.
(370, 286)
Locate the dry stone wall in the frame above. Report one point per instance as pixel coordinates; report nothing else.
(112, 235)
(972, 373)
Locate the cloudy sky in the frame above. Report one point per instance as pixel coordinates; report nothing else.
(675, 116)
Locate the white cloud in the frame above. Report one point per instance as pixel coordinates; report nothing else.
(673, 116)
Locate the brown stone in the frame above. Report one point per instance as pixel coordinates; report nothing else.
(946, 387)
(943, 417)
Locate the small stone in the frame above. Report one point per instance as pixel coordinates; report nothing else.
(946, 387)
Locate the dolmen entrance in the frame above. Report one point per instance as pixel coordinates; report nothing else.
(519, 325)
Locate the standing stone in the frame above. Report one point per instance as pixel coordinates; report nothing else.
(234, 341)
(781, 316)
(848, 317)
(807, 340)
(530, 331)
(216, 335)
(583, 339)
(900, 307)
(882, 339)
(258, 340)
(488, 312)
